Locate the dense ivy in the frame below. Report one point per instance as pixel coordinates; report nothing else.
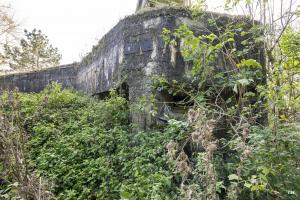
(86, 149)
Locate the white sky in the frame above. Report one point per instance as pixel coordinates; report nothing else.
(74, 26)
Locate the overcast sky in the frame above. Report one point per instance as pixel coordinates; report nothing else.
(74, 26)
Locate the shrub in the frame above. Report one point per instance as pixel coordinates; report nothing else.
(86, 149)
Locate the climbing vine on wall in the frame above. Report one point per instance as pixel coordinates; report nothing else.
(230, 161)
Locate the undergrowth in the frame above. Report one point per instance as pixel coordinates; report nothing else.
(85, 148)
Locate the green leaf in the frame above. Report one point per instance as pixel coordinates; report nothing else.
(125, 195)
(211, 37)
(232, 177)
(249, 63)
(230, 40)
(244, 82)
(243, 33)
(248, 185)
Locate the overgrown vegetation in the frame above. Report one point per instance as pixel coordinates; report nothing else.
(234, 154)
(239, 139)
(85, 148)
(241, 156)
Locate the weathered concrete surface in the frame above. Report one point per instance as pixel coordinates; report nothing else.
(37, 81)
(130, 53)
(131, 49)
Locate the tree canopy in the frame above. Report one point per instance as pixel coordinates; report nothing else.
(34, 52)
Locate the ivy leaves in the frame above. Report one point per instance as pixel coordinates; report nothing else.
(86, 149)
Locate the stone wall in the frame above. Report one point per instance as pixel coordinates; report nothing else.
(130, 53)
(37, 81)
(133, 48)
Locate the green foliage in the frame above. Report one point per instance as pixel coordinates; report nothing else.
(249, 63)
(34, 52)
(196, 49)
(283, 87)
(223, 149)
(17, 181)
(272, 170)
(195, 6)
(86, 149)
(241, 73)
(167, 2)
(252, 161)
(198, 7)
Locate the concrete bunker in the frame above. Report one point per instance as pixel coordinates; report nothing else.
(130, 54)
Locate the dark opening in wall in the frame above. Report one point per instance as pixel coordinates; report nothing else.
(122, 90)
(101, 95)
(172, 106)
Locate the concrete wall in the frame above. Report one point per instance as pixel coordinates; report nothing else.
(133, 49)
(37, 81)
(131, 52)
